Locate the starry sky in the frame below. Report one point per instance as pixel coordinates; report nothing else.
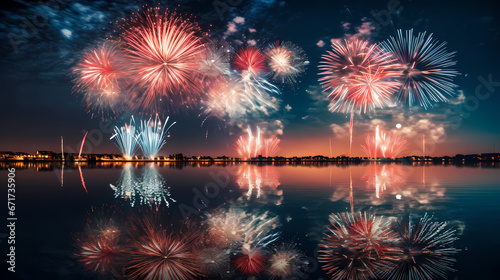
(42, 42)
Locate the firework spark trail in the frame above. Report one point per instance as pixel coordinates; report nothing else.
(359, 77)
(101, 78)
(384, 145)
(426, 68)
(81, 178)
(250, 59)
(81, 146)
(164, 50)
(358, 246)
(126, 139)
(426, 250)
(286, 61)
(151, 136)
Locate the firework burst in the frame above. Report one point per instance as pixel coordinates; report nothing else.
(250, 262)
(101, 78)
(151, 136)
(237, 229)
(286, 61)
(427, 75)
(384, 145)
(358, 246)
(249, 146)
(126, 139)
(215, 60)
(164, 51)
(270, 146)
(100, 254)
(426, 250)
(285, 261)
(250, 59)
(358, 76)
(162, 253)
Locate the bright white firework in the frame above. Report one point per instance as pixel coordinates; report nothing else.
(152, 136)
(286, 61)
(236, 228)
(126, 139)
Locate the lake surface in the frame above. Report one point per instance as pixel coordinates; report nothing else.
(289, 206)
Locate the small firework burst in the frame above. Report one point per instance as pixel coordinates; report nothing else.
(426, 250)
(250, 59)
(425, 63)
(359, 246)
(286, 61)
(250, 262)
(358, 76)
(236, 228)
(126, 139)
(101, 78)
(164, 50)
(285, 261)
(151, 136)
(215, 60)
(384, 145)
(215, 262)
(101, 254)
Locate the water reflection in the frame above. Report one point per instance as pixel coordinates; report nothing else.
(150, 189)
(261, 181)
(365, 246)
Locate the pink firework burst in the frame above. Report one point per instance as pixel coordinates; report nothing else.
(158, 255)
(358, 76)
(358, 246)
(270, 146)
(384, 145)
(250, 262)
(249, 59)
(164, 51)
(101, 77)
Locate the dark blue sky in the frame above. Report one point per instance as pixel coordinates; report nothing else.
(38, 106)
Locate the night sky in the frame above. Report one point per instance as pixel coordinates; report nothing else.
(38, 105)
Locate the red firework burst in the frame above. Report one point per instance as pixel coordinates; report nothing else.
(164, 50)
(100, 76)
(359, 246)
(358, 76)
(100, 254)
(250, 59)
(250, 263)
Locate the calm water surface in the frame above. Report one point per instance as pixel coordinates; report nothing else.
(53, 213)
